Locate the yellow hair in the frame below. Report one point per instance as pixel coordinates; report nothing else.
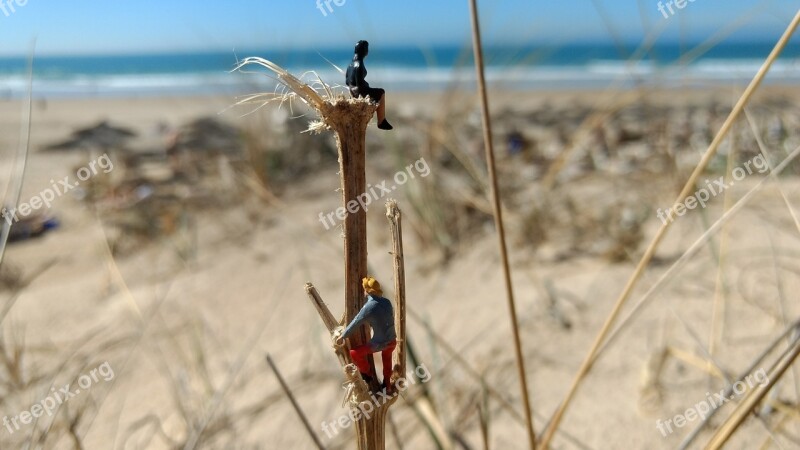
(371, 285)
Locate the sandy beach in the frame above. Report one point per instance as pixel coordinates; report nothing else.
(193, 302)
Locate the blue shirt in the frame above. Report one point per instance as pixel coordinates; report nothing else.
(379, 314)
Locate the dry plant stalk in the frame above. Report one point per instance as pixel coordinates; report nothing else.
(295, 405)
(748, 405)
(348, 119)
(790, 330)
(399, 356)
(371, 430)
(498, 219)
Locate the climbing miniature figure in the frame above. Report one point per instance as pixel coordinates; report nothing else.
(356, 81)
(379, 314)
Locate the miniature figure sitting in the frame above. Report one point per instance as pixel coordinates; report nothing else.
(379, 314)
(356, 81)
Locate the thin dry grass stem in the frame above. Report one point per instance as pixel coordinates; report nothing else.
(768, 441)
(484, 415)
(782, 297)
(456, 355)
(718, 37)
(713, 365)
(788, 410)
(650, 385)
(295, 405)
(498, 218)
(439, 132)
(754, 397)
(504, 403)
(257, 187)
(20, 158)
(442, 436)
(12, 356)
(73, 430)
(699, 362)
(25, 379)
(690, 252)
(155, 428)
(721, 288)
(24, 283)
(115, 273)
(586, 127)
(427, 413)
(764, 151)
(298, 88)
(597, 118)
(192, 389)
(650, 252)
(137, 340)
(395, 432)
(211, 407)
(793, 328)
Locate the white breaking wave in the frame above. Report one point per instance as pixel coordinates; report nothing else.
(595, 74)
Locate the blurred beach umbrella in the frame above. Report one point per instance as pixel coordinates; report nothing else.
(208, 135)
(103, 136)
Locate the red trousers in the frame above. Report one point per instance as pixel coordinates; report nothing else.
(360, 354)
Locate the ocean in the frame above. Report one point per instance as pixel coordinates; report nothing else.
(565, 67)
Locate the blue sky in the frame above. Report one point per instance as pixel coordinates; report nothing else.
(142, 26)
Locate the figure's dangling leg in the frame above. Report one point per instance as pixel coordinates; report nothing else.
(383, 124)
(382, 109)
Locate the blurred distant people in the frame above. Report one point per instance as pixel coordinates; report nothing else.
(515, 142)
